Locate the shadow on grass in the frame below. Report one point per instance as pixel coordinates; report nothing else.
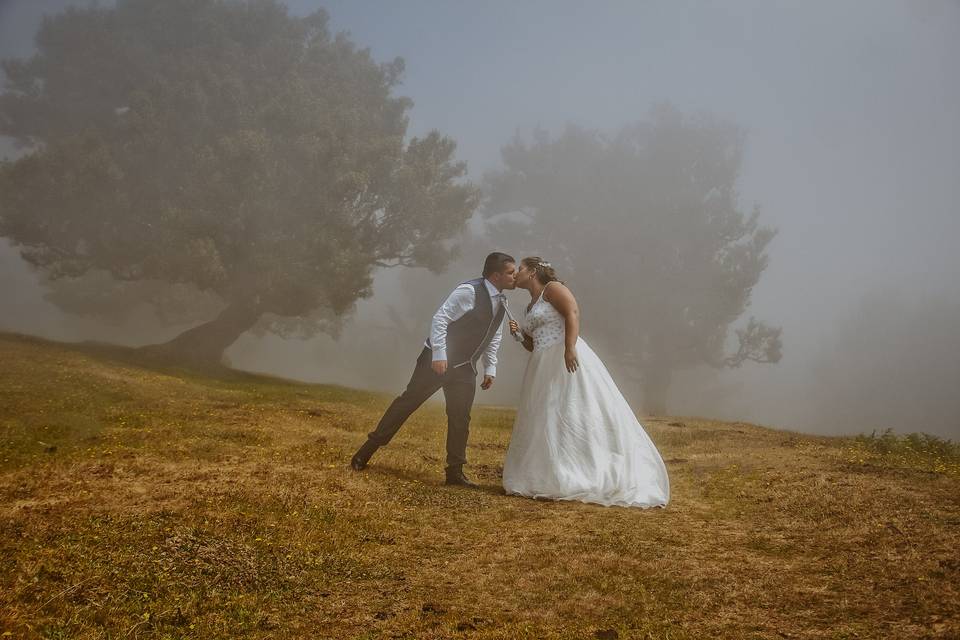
(435, 480)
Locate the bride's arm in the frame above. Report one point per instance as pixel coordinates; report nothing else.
(527, 339)
(563, 301)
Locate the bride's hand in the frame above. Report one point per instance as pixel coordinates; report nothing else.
(570, 359)
(514, 327)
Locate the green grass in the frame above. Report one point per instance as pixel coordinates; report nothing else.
(138, 502)
(914, 451)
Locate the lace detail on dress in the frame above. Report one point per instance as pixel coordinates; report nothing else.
(545, 324)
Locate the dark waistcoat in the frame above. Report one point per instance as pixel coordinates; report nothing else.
(469, 335)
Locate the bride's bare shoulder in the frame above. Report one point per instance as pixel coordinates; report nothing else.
(556, 291)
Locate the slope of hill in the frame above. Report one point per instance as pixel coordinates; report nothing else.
(154, 503)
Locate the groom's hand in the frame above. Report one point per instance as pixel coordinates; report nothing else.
(487, 382)
(439, 367)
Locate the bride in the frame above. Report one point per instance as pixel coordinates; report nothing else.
(574, 437)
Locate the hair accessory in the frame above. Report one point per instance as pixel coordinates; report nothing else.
(545, 265)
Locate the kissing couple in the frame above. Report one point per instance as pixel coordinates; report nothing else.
(574, 436)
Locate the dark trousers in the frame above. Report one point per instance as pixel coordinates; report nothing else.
(459, 387)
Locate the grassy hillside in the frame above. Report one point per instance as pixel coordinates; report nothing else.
(145, 503)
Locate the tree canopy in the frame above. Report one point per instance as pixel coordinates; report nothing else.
(226, 145)
(647, 226)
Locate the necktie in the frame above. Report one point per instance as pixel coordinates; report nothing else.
(503, 300)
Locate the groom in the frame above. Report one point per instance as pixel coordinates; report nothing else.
(465, 328)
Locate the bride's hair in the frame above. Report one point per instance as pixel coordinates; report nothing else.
(542, 270)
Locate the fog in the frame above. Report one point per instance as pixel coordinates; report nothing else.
(852, 152)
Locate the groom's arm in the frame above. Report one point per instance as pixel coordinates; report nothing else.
(490, 358)
(457, 303)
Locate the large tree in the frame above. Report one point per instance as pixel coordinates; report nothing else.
(227, 146)
(647, 227)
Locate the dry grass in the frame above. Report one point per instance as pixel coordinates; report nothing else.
(145, 503)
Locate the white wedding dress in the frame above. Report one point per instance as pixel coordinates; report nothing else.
(575, 437)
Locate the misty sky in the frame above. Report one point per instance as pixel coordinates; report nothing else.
(852, 111)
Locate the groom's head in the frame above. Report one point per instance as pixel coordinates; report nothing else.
(501, 270)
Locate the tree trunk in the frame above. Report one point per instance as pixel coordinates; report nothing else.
(204, 344)
(655, 384)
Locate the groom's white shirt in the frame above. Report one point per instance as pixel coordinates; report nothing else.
(458, 303)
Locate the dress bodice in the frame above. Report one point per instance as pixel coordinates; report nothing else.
(545, 324)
